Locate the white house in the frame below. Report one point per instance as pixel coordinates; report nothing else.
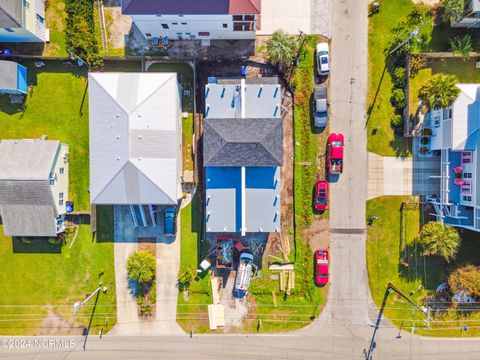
(194, 19)
(135, 138)
(33, 187)
(23, 21)
(456, 137)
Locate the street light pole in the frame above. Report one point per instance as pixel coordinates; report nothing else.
(78, 304)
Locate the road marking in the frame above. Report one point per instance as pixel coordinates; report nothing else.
(347, 231)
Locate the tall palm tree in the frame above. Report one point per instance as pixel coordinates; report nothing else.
(452, 9)
(141, 266)
(281, 48)
(440, 239)
(440, 91)
(462, 46)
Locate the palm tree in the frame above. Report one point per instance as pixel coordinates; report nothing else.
(185, 277)
(440, 239)
(141, 266)
(440, 91)
(452, 9)
(461, 46)
(281, 48)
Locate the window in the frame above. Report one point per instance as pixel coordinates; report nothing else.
(243, 26)
(52, 181)
(467, 198)
(165, 26)
(40, 19)
(60, 202)
(61, 170)
(8, 30)
(225, 26)
(237, 17)
(148, 34)
(175, 23)
(184, 23)
(467, 175)
(249, 17)
(204, 33)
(447, 114)
(180, 15)
(60, 195)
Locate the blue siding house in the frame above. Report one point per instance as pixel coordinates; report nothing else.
(13, 78)
(243, 155)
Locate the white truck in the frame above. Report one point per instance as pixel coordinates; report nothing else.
(244, 274)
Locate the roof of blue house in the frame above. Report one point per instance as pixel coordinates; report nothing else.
(243, 142)
(13, 78)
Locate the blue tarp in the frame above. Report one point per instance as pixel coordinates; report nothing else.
(22, 79)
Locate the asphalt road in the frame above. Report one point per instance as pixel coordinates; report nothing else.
(345, 329)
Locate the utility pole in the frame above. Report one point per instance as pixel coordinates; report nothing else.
(79, 304)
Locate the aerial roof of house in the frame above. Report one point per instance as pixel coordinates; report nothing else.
(243, 142)
(13, 76)
(134, 138)
(475, 4)
(190, 7)
(466, 117)
(11, 13)
(26, 201)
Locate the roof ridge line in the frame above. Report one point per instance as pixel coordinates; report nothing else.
(110, 181)
(148, 97)
(221, 147)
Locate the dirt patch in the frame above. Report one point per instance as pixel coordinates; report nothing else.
(55, 324)
(118, 26)
(317, 234)
(55, 19)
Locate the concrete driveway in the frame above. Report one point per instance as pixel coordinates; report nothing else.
(309, 16)
(168, 262)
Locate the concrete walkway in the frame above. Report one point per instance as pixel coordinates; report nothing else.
(402, 176)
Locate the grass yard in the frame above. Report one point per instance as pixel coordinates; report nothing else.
(41, 282)
(53, 108)
(385, 255)
(192, 315)
(309, 143)
(382, 141)
(55, 18)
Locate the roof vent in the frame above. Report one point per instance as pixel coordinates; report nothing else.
(118, 158)
(139, 115)
(139, 136)
(118, 137)
(139, 158)
(117, 116)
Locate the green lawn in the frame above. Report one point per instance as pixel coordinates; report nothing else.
(382, 141)
(309, 143)
(54, 108)
(386, 259)
(192, 315)
(39, 278)
(55, 19)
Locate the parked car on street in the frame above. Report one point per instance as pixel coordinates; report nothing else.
(320, 201)
(323, 59)
(335, 153)
(169, 218)
(321, 105)
(321, 267)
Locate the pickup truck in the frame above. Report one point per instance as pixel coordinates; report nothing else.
(169, 218)
(244, 274)
(335, 153)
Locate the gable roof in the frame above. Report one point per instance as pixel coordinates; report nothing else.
(32, 220)
(243, 142)
(134, 135)
(27, 159)
(11, 13)
(190, 7)
(466, 116)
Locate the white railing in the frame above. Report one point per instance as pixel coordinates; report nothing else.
(444, 178)
(477, 218)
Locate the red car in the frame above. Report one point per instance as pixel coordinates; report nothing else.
(335, 153)
(320, 202)
(321, 267)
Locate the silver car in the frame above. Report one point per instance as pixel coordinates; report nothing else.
(320, 106)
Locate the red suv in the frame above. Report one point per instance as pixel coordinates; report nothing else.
(321, 267)
(335, 153)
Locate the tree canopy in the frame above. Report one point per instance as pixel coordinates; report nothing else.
(440, 91)
(439, 239)
(281, 48)
(141, 266)
(466, 279)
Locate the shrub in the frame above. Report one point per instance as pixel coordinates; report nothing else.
(424, 140)
(440, 91)
(439, 239)
(398, 98)
(140, 299)
(417, 63)
(399, 78)
(423, 150)
(141, 266)
(146, 309)
(396, 121)
(373, 8)
(426, 132)
(466, 279)
(185, 277)
(153, 292)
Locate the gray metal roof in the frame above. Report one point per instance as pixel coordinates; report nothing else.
(27, 159)
(32, 220)
(8, 75)
(135, 138)
(11, 13)
(243, 142)
(225, 99)
(28, 192)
